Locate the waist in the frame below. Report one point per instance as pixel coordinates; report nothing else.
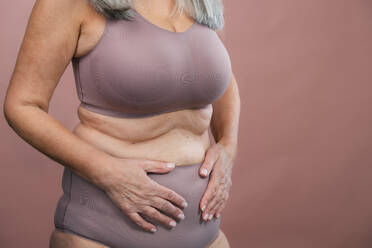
(160, 138)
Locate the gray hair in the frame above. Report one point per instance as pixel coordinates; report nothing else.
(206, 12)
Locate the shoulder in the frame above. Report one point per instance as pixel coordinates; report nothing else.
(62, 11)
(61, 7)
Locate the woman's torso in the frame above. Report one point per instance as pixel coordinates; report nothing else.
(160, 129)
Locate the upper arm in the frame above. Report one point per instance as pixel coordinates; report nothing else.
(47, 47)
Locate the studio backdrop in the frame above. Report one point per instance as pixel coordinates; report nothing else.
(303, 174)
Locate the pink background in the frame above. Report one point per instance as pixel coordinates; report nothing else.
(303, 176)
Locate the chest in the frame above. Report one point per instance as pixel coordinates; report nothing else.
(136, 67)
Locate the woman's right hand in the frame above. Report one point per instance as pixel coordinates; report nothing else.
(126, 183)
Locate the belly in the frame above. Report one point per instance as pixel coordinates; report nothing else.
(87, 211)
(181, 136)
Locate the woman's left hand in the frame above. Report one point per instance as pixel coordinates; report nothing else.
(218, 163)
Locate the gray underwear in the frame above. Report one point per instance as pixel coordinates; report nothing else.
(87, 211)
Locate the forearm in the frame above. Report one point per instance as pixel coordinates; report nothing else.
(51, 138)
(225, 118)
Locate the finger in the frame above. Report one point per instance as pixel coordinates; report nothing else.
(208, 163)
(222, 205)
(156, 166)
(218, 195)
(170, 195)
(220, 209)
(167, 207)
(210, 209)
(156, 215)
(214, 208)
(207, 214)
(209, 193)
(136, 218)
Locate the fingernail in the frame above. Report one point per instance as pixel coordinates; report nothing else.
(204, 172)
(181, 216)
(206, 217)
(170, 165)
(218, 215)
(203, 208)
(153, 230)
(172, 223)
(210, 217)
(184, 204)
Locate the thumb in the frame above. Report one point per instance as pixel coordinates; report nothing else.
(207, 166)
(157, 166)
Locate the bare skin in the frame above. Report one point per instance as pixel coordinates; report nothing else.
(113, 152)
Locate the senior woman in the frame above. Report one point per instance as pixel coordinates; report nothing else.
(152, 77)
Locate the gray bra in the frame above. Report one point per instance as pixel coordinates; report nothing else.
(138, 69)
